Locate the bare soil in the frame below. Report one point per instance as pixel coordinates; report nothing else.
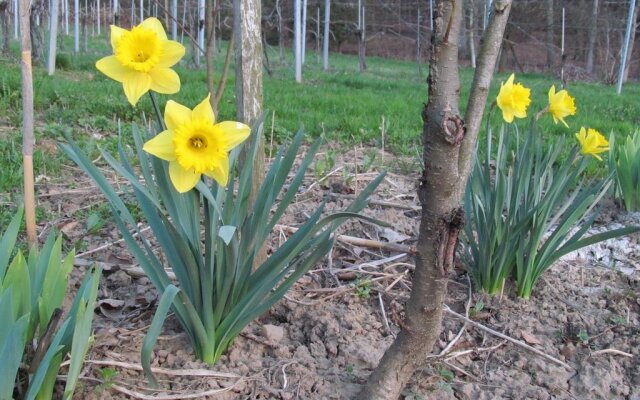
(323, 340)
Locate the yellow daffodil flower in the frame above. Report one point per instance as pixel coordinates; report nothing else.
(141, 60)
(513, 99)
(592, 142)
(561, 105)
(194, 144)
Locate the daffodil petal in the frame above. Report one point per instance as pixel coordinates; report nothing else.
(164, 80)
(111, 67)
(175, 115)
(203, 111)
(161, 146)
(172, 53)
(221, 173)
(116, 34)
(183, 180)
(233, 132)
(135, 85)
(155, 25)
(510, 80)
(508, 117)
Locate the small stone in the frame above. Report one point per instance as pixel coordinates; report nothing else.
(273, 333)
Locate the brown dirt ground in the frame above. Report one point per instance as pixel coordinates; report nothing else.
(323, 340)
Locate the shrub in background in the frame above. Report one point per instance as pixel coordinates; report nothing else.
(35, 336)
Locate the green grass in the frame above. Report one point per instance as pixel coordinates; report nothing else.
(342, 105)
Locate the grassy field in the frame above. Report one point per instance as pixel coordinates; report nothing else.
(342, 105)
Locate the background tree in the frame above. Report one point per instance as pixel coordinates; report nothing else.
(449, 145)
(4, 27)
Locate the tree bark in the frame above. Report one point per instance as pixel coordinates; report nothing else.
(247, 29)
(448, 150)
(550, 56)
(593, 33)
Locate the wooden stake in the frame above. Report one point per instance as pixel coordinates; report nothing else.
(28, 139)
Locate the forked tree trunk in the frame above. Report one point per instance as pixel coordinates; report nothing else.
(448, 151)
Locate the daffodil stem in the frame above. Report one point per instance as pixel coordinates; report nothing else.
(157, 110)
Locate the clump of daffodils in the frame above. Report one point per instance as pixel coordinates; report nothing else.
(211, 234)
(526, 208)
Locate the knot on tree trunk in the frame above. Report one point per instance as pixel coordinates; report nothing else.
(453, 128)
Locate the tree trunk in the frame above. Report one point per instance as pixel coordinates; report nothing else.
(362, 41)
(37, 52)
(247, 29)
(76, 26)
(4, 27)
(550, 56)
(210, 49)
(297, 40)
(632, 40)
(448, 152)
(593, 33)
(325, 36)
(280, 31)
(472, 39)
(28, 139)
(53, 37)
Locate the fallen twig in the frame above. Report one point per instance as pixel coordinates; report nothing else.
(466, 314)
(611, 351)
(110, 244)
(503, 336)
(362, 242)
(164, 371)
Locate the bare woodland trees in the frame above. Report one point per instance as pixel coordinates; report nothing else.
(449, 143)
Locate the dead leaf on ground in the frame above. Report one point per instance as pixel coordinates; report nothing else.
(529, 338)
